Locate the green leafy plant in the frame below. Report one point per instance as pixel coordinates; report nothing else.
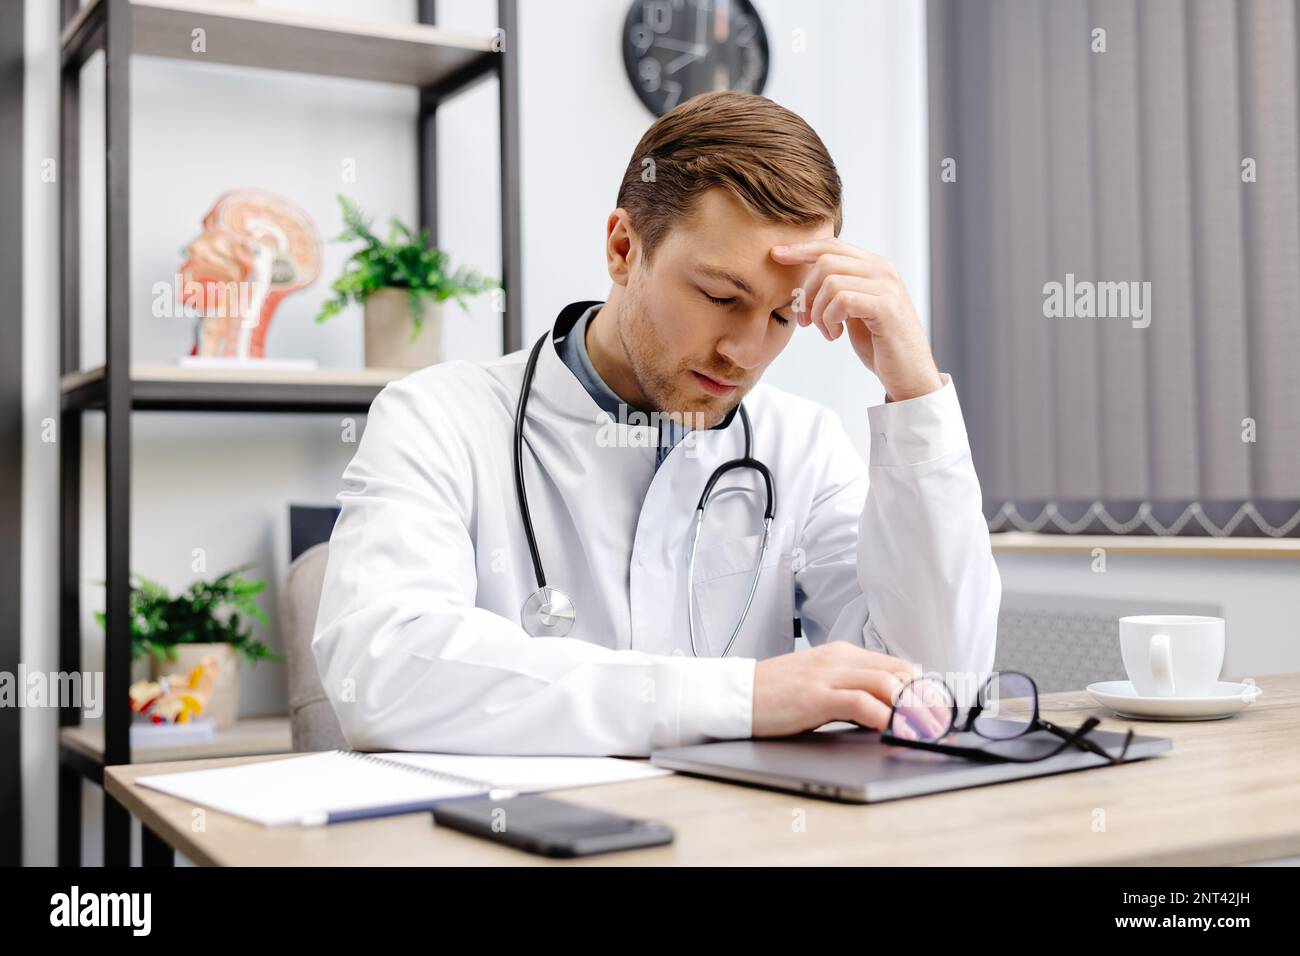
(220, 611)
(405, 261)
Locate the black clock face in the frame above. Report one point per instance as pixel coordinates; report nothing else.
(674, 49)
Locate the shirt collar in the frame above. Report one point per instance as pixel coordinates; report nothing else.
(568, 339)
(572, 349)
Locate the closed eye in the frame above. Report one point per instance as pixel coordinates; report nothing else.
(724, 302)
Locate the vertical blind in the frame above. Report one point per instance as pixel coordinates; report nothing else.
(1115, 214)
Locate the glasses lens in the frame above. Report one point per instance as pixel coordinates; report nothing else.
(1009, 704)
(923, 710)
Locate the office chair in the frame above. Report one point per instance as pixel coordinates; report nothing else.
(312, 721)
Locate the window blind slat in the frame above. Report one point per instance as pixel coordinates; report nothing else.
(1118, 196)
(1024, 168)
(1071, 223)
(1168, 197)
(971, 113)
(1272, 229)
(1219, 281)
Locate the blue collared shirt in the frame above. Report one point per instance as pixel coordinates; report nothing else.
(573, 352)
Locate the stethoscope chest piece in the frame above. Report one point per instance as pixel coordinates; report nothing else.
(548, 612)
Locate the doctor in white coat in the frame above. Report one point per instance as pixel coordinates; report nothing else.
(716, 258)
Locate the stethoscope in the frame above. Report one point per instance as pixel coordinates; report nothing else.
(548, 611)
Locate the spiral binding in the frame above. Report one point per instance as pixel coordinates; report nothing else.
(427, 771)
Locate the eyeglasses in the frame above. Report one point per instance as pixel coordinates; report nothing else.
(1006, 708)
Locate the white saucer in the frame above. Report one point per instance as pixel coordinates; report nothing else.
(1228, 699)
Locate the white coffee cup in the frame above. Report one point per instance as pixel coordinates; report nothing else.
(1172, 655)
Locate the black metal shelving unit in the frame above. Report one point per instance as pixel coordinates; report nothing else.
(440, 64)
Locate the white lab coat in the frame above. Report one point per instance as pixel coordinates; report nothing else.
(418, 639)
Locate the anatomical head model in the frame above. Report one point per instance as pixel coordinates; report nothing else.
(255, 249)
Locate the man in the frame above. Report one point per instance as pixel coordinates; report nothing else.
(723, 243)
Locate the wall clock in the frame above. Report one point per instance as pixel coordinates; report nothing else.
(675, 49)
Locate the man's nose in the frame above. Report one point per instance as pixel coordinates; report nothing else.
(742, 346)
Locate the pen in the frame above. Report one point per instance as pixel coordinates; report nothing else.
(320, 818)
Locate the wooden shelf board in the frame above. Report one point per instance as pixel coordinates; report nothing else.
(254, 735)
(171, 387)
(173, 372)
(1024, 542)
(239, 34)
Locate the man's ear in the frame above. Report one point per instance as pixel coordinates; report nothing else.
(622, 245)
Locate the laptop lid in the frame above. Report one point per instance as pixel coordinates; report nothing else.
(853, 765)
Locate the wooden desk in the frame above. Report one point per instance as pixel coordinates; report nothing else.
(1225, 794)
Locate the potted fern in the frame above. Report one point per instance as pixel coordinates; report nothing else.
(174, 633)
(401, 283)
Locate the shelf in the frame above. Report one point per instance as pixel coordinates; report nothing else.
(241, 34)
(438, 63)
(83, 746)
(170, 387)
(1023, 542)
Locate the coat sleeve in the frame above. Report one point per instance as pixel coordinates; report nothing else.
(896, 557)
(410, 663)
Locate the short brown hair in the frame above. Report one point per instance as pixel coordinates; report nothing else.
(765, 155)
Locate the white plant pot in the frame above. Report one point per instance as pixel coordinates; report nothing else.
(389, 329)
(223, 707)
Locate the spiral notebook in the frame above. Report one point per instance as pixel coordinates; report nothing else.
(339, 785)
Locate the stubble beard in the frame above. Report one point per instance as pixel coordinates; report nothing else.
(661, 384)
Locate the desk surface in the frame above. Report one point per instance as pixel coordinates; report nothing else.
(1225, 794)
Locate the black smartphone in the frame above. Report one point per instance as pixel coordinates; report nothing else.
(549, 827)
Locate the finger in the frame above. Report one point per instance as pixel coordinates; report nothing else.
(888, 689)
(803, 305)
(827, 289)
(873, 308)
(917, 707)
(832, 264)
(855, 656)
(825, 273)
(849, 297)
(880, 684)
(901, 729)
(860, 708)
(797, 252)
(932, 721)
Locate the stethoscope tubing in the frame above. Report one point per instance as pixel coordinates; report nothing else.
(521, 492)
(544, 594)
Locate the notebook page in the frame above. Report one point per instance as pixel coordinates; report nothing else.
(279, 792)
(528, 774)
